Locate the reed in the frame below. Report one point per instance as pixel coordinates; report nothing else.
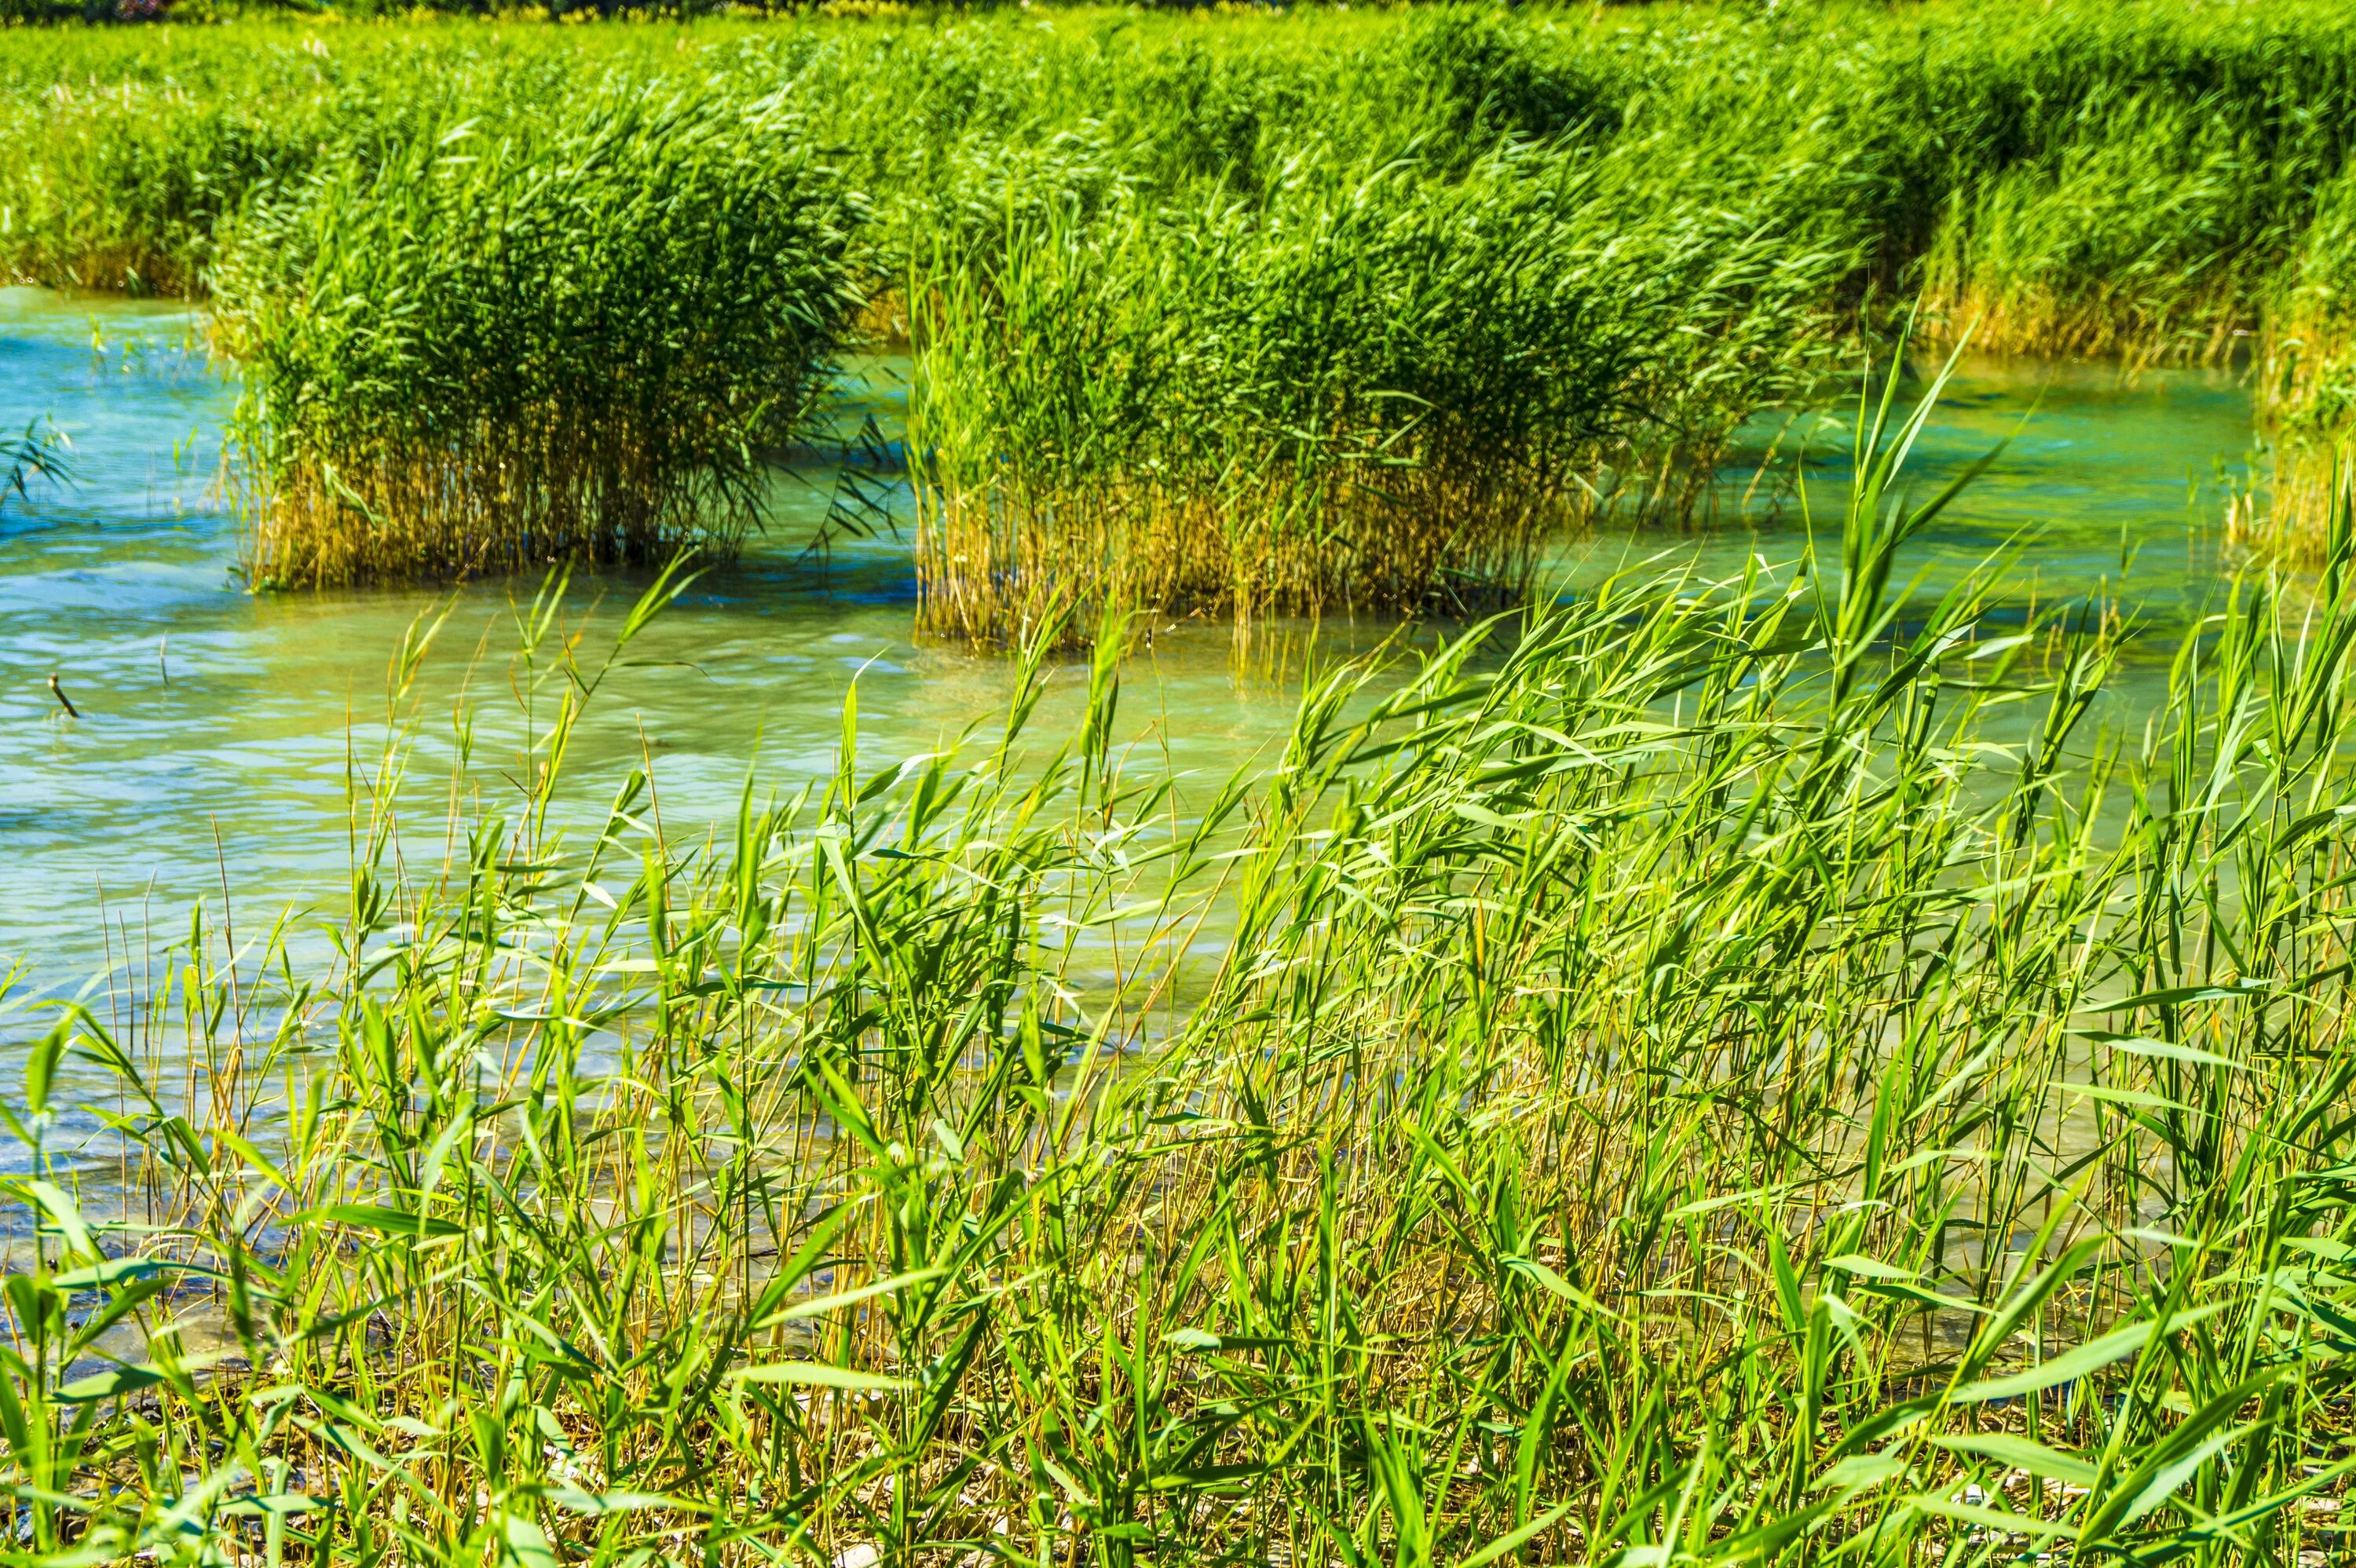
(519, 343)
(38, 452)
(133, 147)
(2143, 180)
(2127, 183)
(2305, 401)
(2123, 252)
(1377, 390)
(1711, 1072)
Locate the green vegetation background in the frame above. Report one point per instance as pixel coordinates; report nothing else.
(1221, 310)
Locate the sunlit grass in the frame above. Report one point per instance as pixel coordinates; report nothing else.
(1379, 390)
(1756, 1071)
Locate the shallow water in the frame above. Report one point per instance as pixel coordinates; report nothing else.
(216, 724)
(2102, 486)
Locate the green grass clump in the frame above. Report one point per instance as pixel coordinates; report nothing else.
(2140, 247)
(1378, 389)
(2126, 180)
(130, 183)
(2307, 381)
(520, 342)
(1755, 1071)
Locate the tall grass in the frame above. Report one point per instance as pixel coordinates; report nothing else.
(2304, 385)
(1740, 1071)
(2147, 180)
(1373, 390)
(134, 146)
(38, 451)
(518, 343)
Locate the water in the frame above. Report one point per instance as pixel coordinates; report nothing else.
(2103, 488)
(212, 759)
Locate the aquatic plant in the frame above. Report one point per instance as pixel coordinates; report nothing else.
(528, 341)
(2124, 249)
(1378, 390)
(2306, 377)
(2138, 179)
(134, 146)
(1707, 1072)
(39, 452)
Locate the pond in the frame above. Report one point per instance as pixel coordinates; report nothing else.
(218, 727)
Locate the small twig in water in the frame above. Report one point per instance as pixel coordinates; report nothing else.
(63, 701)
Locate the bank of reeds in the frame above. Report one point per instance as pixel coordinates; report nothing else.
(1371, 390)
(133, 147)
(2142, 180)
(524, 342)
(1709, 1072)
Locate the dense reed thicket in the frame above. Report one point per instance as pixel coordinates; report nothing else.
(516, 342)
(1711, 1072)
(1373, 390)
(1280, 228)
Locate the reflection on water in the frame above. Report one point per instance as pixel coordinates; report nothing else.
(214, 747)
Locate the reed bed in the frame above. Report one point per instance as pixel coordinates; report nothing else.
(2145, 180)
(1761, 1071)
(134, 146)
(516, 344)
(2304, 358)
(1380, 390)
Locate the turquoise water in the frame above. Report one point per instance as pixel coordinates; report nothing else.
(2103, 485)
(217, 725)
